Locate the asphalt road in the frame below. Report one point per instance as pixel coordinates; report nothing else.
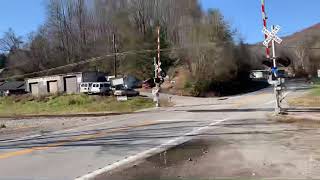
(84, 152)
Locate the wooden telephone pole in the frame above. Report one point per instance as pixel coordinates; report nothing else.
(115, 54)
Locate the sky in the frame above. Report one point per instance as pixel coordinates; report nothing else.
(246, 16)
(25, 16)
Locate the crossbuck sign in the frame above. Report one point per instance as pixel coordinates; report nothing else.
(271, 36)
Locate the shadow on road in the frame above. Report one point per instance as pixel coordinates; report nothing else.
(303, 110)
(198, 105)
(232, 110)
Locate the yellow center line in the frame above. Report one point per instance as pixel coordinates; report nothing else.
(72, 139)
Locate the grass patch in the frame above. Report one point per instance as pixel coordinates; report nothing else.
(316, 90)
(306, 101)
(68, 104)
(312, 99)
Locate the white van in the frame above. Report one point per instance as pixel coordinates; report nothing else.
(100, 88)
(85, 87)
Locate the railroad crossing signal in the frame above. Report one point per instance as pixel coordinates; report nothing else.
(272, 63)
(271, 36)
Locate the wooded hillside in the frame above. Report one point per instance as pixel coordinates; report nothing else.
(77, 30)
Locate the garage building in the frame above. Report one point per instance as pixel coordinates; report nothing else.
(12, 88)
(62, 83)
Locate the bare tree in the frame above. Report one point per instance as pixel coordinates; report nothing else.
(77, 29)
(10, 41)
(302, 53)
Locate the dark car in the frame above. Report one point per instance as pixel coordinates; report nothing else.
(126, 92)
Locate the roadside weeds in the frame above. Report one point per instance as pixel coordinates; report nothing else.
(312, 99)
(69, 106)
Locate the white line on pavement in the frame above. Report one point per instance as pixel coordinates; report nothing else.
(273, 101)
(270, 102)
(169, 144)
(178, 120)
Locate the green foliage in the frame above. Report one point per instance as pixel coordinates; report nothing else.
(141, 64)
(220, 30)
(200, 87)
(316, 90)
(188, 85)
(166, 60)
(222, 60)
(197, 88)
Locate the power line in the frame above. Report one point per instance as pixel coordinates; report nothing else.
(289, 47)
(94, 59)
(101, 58)
(312, 48)
(85, 62)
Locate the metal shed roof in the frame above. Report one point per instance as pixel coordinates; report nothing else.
(54, 75)
(12, 85)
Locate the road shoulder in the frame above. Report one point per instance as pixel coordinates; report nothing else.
(252, 148)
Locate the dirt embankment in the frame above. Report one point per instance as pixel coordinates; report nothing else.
(238, 150)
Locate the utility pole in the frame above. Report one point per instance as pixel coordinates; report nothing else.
(115, 54)
(159, 60)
